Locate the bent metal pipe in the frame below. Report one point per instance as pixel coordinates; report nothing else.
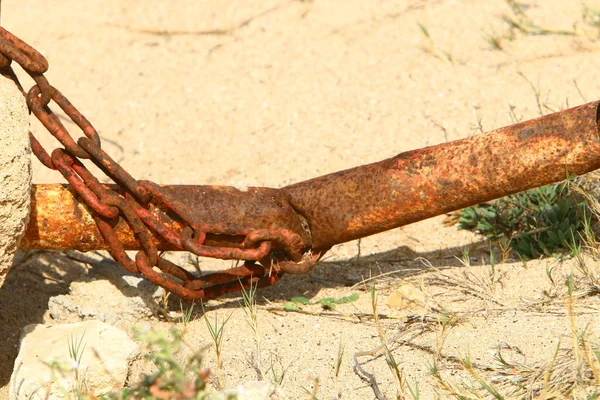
(274, 231)
(357, 202)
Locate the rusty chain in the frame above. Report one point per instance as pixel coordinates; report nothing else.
(133, 206)
(286, 230)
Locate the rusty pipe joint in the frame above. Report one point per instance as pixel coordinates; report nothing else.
(288, 230)
(236, 221)
(312, 216)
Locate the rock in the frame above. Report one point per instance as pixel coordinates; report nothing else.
(44, 365)
(407, 296)
(109, 294)
(99, 300)
(15, 172)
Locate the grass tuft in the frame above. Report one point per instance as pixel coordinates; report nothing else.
(173, 378)
(251, 311)
(216, 329)
(540, 222)
(432, 48)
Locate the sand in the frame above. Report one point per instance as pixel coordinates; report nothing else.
(274, 92)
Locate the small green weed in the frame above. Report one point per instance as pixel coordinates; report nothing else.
(276, 368)
(591, 16)
(392, 363)
(432, 48)
(186, 316)
(520, 24)
(251, 311)
(328, 303)
(173, 378)
(72, 371)
(216, 329)
(76, 349)
(520, 21)
(539, 222)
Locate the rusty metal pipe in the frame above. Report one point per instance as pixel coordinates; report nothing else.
(60, 221)
(365, 200)
(423, 183)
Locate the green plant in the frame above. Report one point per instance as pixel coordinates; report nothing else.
(328, 303)
(216, 331)
(339, 359)
(172, 379)
(572, 372)
(390, 360)
(186, 316)
(71, 372)
(538, 222)
(521, 22)
(591, 16)
(251, 312)
(414, 391)
(277, 369)
(495, 40)
(76, 349)
(432, 48)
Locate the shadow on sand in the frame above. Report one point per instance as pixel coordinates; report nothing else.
(40, 275)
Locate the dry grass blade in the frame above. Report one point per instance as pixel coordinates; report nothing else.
(384, 350)
(557, 377)
(468, 284)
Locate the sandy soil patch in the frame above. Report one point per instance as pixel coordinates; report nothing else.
(274, 92)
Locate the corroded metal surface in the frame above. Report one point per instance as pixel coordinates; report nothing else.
(274, 231)
(361, 201)
(435, 180)
(60, 221)
(259, 228)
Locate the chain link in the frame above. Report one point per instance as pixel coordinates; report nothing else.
(107, 205)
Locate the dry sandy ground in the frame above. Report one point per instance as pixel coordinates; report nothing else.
(273, 92)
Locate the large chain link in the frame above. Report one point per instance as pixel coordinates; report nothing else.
(107, 205)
